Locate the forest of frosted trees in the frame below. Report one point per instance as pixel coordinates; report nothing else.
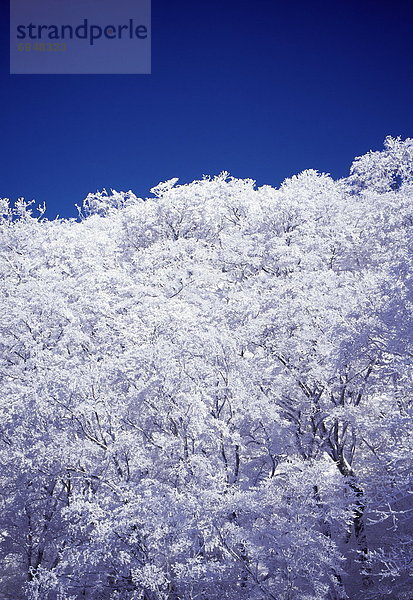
(208, 394)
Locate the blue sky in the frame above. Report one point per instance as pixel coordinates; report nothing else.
(261, 89)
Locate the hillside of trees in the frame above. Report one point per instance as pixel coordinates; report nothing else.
(208, 394)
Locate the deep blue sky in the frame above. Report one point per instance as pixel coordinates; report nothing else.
(263, 89)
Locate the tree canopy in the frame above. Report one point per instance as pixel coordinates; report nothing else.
(207, 393)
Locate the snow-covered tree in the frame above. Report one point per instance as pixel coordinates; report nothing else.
(207, 393)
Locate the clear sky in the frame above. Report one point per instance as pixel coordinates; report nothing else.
(262, 89)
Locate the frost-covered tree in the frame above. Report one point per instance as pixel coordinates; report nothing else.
(207, 394)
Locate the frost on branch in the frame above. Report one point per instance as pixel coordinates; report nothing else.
(102, 203)
(207, 394)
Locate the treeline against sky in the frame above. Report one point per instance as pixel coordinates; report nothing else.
(207, 394)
